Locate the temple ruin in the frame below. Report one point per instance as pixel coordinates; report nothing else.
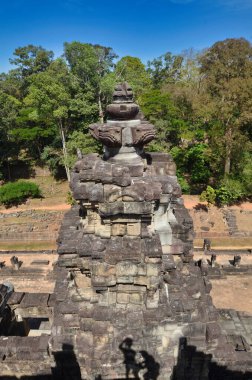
(129, 301)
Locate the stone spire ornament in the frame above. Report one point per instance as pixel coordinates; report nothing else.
(124, 135)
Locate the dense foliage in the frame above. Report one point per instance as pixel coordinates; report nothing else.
(200, 103)
(13, 193)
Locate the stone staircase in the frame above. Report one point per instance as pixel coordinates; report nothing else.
(229, 216)
(30, 225)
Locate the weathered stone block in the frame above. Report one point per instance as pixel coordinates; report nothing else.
(125, 279)
(112, 193)
(213, 331)
(168, 263)
(102, 281)
(112, 298)
(89, 191)
(87, 175)
(118, 229)
(141, 280)
(135, 192)
(137, 208)
(136, 170)
(102, 170)
(136, 298)
(152, 270)
(141, 269)
(131, 244)
(121, 175)
(103, 269)
(122, 298)
(87, 162)
(152, 299)
(107, 209)
(152, 246)
(126, 268)
(123, 248)
(133, 229)
(103, 230)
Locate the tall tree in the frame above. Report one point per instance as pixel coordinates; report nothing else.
(28, 61)
(9, 107)
(166, 68)
(132, 70)
(160, 109)
(31, 59)
(105, 56)
(49, 98)
(227, 67)
(91, 65)
(11, 84)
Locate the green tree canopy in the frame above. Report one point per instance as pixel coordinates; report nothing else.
(31, 59)
(166, 68)
(227, 67)
(132, 70)
(91, 65)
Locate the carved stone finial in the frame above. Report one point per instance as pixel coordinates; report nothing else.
(123, 136)
(122, 93)
(123, 107)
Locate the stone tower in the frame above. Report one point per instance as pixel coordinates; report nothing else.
(128, 296)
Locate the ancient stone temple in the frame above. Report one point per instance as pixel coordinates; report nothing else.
(130, 301)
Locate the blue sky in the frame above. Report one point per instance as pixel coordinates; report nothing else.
(142, 28)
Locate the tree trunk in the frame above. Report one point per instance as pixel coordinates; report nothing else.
(64, 149)
(228, 138)
(8, 163)
(8, 168)
(100, 108)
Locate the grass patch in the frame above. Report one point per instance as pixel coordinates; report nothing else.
(14, 220)
(53, 192)
(14, 193)
(27, 245)
(234, 242)
(51, 188)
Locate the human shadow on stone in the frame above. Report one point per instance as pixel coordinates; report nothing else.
(67, 366)
(131, 365)
(140, 364)
(197, 365)
(149, 368)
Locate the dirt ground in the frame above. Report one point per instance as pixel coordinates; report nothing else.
(190, 201)
(22, 280)
(35, 206)
(233, 292)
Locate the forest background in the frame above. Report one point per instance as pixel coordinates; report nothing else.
(200, 103)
